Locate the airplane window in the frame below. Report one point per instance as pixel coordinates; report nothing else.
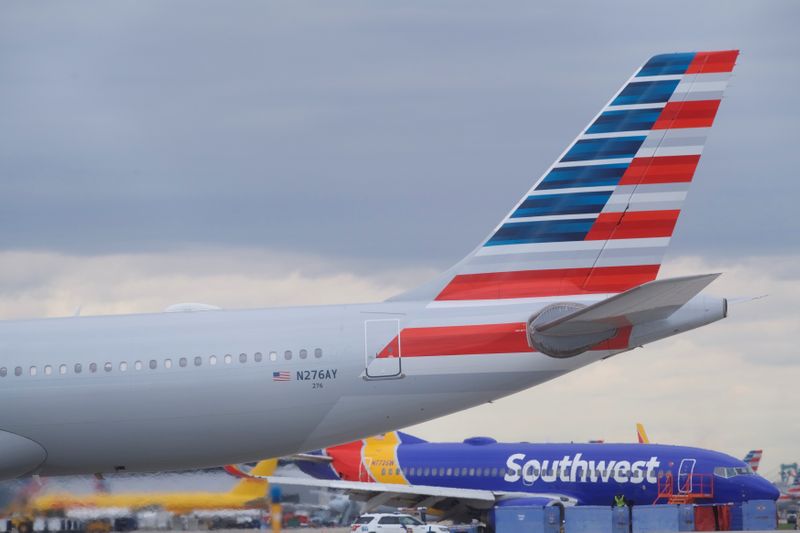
(212, 360)
(303, 354)
(182, 362)
(426, 471)
(396, 471)
(138, 365)
(287, 355)
(198, 361)
(167, 363)
(33, 371)
(92, 367)
(464, 471)
(242, 357)
(62, 369)
(18, 371)
(383, 471)
(107, 367)
(78, 368)
(228, 358)
(153, 364)
(471, 471)
(318, 353)
(455, 472)
(495, 472)
(487, 471)
(3, 372)
(273, 356)
(434, 471)
(257, 357)
(123, 366)
(48, 370)
(449, 472)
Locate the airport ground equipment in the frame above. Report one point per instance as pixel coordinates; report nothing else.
(567, 278)
(757, 515)
(588, 519)
(526, 519)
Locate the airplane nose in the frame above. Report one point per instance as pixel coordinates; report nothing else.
(761, 489)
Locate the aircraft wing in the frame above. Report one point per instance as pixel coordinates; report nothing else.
(377, 494)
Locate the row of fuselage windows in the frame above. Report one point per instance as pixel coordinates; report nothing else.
(153, 364)
(482, 472)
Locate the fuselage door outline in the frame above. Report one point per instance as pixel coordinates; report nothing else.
(382, 349)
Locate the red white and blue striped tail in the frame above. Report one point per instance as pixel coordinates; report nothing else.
(753, 459)
(600, 218)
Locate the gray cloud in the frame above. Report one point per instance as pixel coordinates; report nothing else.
(400, 134)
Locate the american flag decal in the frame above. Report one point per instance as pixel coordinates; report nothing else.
(281, 376)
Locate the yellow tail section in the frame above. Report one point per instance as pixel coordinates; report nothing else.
(642, 434)
(257, 488)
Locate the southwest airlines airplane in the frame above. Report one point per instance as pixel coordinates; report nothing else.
(567, 278)
(463, 479)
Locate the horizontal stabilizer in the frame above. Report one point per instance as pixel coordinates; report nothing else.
(651, 301)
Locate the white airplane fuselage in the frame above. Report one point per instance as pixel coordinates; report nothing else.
(148, 419)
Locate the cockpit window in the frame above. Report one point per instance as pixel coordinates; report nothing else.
(730, 471)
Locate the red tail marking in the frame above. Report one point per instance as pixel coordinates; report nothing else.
(707, 62)
(665, 169)
(695, 114)
(346, 461)
(539, 283)
(633, 225)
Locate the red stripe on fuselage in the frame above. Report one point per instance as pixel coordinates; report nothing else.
(633, 225)
(694, 114)
(480, 339)
(539, 283)
(707, 62)
(664, 169)
(464, 340)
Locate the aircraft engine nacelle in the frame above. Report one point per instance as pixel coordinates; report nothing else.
(562, 346)
(18, 455)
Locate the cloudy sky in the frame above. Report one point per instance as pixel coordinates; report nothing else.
(256, 153)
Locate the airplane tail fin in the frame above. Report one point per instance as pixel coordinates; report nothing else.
(753, 459)
(641, 434)
(249, 485)
(600, 218)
